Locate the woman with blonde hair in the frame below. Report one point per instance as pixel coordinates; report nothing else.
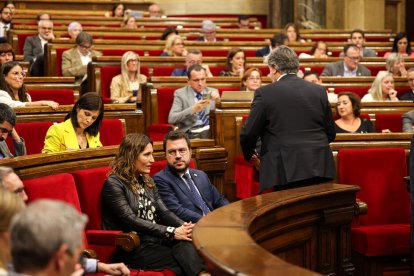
(10, 205)
(174, 47)
(126, 87)
(382, 89)
(395, 65)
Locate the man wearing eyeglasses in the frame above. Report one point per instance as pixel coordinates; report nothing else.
(350, 66)
(209, 32)
(7, 123)
(75, 60)
(194, 56)
(185, 191)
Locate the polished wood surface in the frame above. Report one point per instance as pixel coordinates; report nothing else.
(278, 233)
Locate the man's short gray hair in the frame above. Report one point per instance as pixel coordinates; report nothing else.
(37, 233)
(284, 60)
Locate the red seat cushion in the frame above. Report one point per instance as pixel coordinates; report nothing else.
(34, 134)
(388, 121)
(360, 91)
(61, 96)
(163, 70)
(165, 97)
(89, 185)
(379, 173)
(246, 178)
(107, 73)
(381, 240)
(111, 132)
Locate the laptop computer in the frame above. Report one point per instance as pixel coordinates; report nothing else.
(237, 96)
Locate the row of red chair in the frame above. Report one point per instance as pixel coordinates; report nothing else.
(111, 133)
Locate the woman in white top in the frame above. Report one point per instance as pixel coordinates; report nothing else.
(12, 89)
(126, 87)
(382, 89)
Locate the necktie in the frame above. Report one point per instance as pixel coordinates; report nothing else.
(202, 115)
(196, 196)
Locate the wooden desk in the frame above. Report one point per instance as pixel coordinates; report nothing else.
(278, 233)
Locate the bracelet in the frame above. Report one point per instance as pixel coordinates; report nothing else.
(170, 233)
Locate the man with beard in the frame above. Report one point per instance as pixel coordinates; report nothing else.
(186, 192)
(5, 22)
(7, 123)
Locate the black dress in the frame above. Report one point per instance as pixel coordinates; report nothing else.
(365, 127)
(144, 212)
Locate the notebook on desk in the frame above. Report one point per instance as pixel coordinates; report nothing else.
(237, 96)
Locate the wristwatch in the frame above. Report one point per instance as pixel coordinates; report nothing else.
(170, 233)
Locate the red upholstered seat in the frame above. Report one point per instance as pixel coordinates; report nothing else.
(246, 176)
(165, 96)
(215, 53)
(89, 184)
(61, 96)
(388, 121)
(59, 53)
(34, 134)
(316, 68)
(155, 53)
(107, 73)
(385, 230)
(162, 164)
(163, 70)
(111, 132)
(119, 52)
(360, 91)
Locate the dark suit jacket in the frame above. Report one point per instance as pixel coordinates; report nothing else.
(19, 149)
(179, 72)
(293, 118)
(177, 197)
(337, 69)
(409, 96)
(263, 52)
(32, 48)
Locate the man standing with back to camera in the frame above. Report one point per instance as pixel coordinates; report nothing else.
(294, 120)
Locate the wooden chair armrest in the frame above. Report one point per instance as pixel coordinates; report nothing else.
(127, 241)
(89, 253)
(361, 208)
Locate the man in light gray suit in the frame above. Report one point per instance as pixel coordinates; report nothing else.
(350, 66)
(192, 104)
(7, 123)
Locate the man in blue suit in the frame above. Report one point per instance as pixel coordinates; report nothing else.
(186, 192)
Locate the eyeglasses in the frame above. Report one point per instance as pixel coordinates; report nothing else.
(47, 28)
(19, 190)
(17, 74)
(85, 47)
(5, 131)
(354, 58)
(132, 61)
(181, 151)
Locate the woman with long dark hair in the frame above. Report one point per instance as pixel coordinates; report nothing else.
(80, 130)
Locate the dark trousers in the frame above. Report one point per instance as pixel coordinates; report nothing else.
(178, 256)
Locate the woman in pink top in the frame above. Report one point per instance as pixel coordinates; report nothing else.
(401, 45)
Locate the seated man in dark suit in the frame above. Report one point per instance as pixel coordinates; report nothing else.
(194, 56)
(410, 95)
(7, 123)
(350, 66)
(277, 40)
(186, 192)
